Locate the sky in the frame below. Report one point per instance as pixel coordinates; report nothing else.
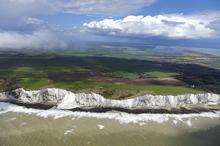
(59, 24)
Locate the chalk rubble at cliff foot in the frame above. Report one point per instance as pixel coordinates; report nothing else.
(63, 99)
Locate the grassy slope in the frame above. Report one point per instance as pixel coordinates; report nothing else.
(31, 78)
(33, 73)
(118, 91)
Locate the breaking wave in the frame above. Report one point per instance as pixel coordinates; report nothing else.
(123, 118)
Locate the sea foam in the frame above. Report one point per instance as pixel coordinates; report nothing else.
(123, 118)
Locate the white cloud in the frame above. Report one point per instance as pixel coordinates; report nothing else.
(41, 39)
(168, 25)
(15, 14)
(21, 27)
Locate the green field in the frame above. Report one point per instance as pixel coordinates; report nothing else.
(30, 78)
(112, 76)
(120, 90)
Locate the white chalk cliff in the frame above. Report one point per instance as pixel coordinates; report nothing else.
(63, 99)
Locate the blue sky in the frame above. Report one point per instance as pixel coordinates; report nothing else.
(59, 23)
(182, 6)
(159, 7)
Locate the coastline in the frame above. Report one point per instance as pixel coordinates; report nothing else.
(65, 100)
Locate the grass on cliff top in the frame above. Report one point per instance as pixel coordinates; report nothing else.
(108, 90)
(120, 90)
(46, 71)
(36, 78)
(160, 74)
(33, 83)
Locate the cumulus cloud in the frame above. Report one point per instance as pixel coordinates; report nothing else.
(168, 25)
(21, 27)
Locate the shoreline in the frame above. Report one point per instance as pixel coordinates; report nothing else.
(121, 117)
(181, 110)
(81, 102)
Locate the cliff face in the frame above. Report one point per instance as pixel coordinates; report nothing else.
(63, 99)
